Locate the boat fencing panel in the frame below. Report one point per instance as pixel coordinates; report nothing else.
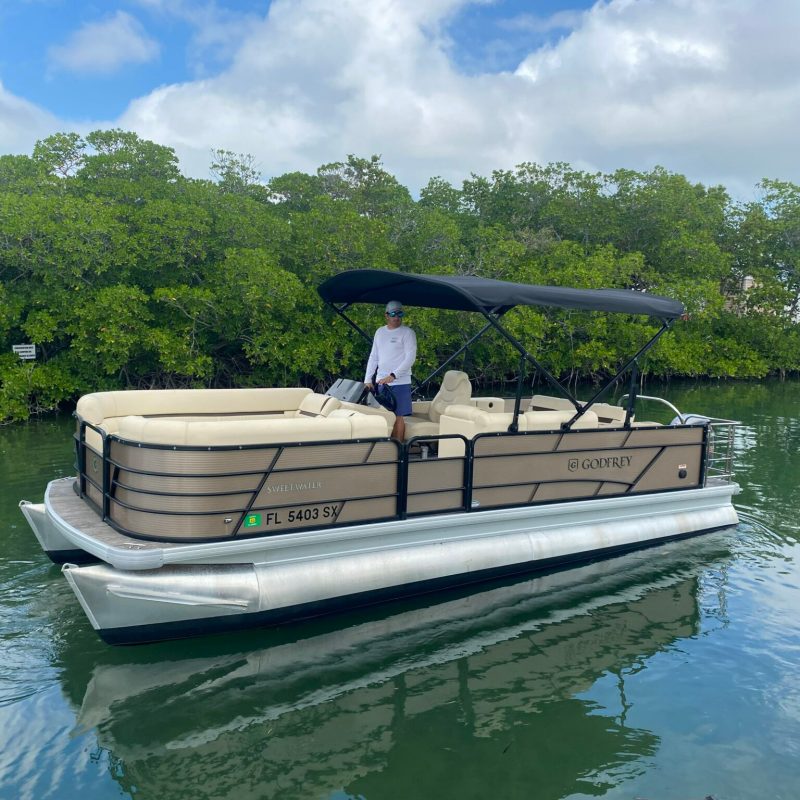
(201, 493)
(435, 485)
(185, 493)
(524, 468)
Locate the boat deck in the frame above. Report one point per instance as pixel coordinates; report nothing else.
(63, 501)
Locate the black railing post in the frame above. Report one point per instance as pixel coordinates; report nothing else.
(514, 426)
(632, 389)
(707, 442)
(106, 477)
(80, 447)
(402, 483)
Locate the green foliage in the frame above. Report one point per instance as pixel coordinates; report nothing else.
(236, 173)
(124, 273)
(364, 183)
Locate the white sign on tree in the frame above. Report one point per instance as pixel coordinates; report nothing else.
(25, 351)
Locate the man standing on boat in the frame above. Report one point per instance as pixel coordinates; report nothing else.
(394, 350)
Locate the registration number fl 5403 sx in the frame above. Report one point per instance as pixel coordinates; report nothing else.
(293, 516)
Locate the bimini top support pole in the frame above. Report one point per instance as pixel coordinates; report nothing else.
(455, 355)
(551, 379)
(582, 409)
(340, 312)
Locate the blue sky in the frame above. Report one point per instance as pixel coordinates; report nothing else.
(710, 88)
(35, 36)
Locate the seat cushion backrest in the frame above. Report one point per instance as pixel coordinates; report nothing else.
(553, 420)
(100, 406)
(543, 402)
(379, 411)
(317, 405)
(456, 389)
(266, 431)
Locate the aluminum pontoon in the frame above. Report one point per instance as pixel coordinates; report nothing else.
(201, 510)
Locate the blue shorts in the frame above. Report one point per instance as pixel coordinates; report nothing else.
(402, 394)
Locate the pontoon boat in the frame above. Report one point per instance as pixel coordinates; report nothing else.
(201, 510)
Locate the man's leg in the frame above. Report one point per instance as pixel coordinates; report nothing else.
(402, 395)
(399, 429)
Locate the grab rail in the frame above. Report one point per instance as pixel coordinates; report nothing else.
(655, 399)
(720, 450)
(80, 454)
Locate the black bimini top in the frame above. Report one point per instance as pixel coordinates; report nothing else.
(466, 293)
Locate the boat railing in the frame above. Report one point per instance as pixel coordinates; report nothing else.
(720, 450)
(720, 444)
(237, 490)
(199, 492)
(96, 475)
(654, 399)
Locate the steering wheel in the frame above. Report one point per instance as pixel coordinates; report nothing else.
(383, 397)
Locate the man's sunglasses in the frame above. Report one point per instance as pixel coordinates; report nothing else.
(394, 313)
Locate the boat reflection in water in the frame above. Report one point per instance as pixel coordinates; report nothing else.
(469, 693)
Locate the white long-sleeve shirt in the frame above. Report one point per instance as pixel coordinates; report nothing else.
(392, 351)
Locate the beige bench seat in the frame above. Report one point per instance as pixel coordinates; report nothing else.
(264, 431)
(468, 422)
(212, 417)
(101, 406)
(456, 389)
(360, 408)
(607, 414)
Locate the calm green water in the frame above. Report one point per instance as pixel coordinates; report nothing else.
(667, 673)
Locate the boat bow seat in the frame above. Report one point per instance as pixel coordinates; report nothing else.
(469, 421)
(223, 416)
(456, 389)
(283, 430)
(99, 407)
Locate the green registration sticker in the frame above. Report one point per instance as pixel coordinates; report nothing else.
(251, 520)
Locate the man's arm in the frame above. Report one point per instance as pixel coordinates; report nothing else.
(409, 353)
(372, 361)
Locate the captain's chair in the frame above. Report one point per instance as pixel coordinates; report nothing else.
(456, 389)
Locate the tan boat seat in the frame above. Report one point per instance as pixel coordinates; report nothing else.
(469, 422)
(100, 406)
(317, 405)
(607, 413)
(543, 402)
(370, 411)
(424, 421)
(265, 431)
(208, 407)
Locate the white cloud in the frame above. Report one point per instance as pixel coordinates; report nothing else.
(21, 123)
(709, 88)
(560, 20)
(105, 46)
(318, 79)
(704, 87)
